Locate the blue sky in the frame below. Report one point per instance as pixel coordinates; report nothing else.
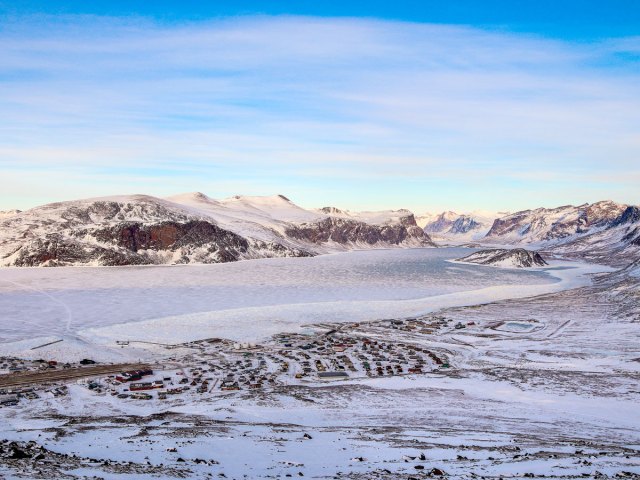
(496, 105)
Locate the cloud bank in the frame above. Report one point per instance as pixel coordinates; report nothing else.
(362, 113)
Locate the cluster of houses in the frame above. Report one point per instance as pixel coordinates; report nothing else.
(12, 396)
(17, 365)
(337, 355)
(329, 352)
(429, 325)
(219, 365)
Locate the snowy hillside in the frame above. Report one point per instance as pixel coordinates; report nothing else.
(190, 228)
(618, 243)
(604, 231)
(547, 225)
(509, 258)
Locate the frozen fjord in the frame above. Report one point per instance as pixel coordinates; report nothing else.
(251, 299)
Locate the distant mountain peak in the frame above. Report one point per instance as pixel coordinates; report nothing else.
(8, 213)
(333, 211)
(452, 226)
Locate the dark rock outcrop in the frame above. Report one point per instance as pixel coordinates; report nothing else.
(170, 236)
(350, 231)
(54, 250)
(630, 215)
(517, 257)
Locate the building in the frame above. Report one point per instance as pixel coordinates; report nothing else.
(145, 385)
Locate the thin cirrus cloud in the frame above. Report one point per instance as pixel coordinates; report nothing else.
(350, 111)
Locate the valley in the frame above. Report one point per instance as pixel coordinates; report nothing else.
(544, 385)
(320, 240)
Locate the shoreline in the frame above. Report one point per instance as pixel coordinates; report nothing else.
(240, 324)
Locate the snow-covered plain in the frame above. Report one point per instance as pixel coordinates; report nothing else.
(247, 300)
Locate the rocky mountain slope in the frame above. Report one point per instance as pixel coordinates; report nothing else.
(605, 231)
(550, 225)
(500, 257)
(190, 228)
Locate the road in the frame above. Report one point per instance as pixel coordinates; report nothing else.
(50, 375)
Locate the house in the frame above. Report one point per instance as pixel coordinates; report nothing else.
(145, 385)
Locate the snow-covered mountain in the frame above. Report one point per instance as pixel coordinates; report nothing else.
(8, 213)
(553, 224)
(617, 243)
(500, 257)
(191, 228)
(452, 226)
(384, 217)
(604, 231)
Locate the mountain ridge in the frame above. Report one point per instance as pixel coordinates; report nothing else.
(195, 228)
(188, 228)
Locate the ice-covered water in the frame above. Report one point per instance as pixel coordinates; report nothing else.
(56, 301)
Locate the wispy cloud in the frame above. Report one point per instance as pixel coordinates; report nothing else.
(429, 114)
